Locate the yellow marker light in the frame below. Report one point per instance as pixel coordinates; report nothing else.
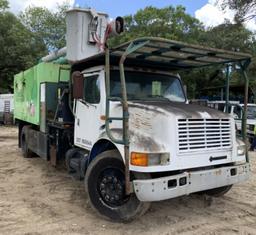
(139, 159)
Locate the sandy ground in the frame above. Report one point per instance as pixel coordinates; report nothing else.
(36, 198)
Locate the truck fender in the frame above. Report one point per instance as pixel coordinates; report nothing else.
(100, 146)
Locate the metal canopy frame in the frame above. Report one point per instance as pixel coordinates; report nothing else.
(171, 55)
(175, 55)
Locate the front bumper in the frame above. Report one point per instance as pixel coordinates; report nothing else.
(189, 182)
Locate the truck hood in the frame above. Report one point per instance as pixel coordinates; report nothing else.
(180, 110)
(152, 124)
(153, 128)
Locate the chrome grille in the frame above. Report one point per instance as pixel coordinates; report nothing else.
(203, 134)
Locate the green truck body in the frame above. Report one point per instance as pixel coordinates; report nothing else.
(27, 89)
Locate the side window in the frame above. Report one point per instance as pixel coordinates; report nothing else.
(92, 89)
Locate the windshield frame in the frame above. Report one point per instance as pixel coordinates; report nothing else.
(157, 72)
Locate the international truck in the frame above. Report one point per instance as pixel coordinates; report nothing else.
(121, 121)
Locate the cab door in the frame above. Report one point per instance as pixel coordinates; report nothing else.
(89, 109)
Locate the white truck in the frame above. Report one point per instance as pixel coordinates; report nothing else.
(122, 121)
(235, 109)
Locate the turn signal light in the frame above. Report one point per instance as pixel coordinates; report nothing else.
(139, 159)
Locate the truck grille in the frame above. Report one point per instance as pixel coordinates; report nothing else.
(203, 134)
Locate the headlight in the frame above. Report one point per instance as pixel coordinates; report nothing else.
(241, 150)
(149, 159)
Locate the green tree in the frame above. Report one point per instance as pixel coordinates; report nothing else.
(245, 9)
(20, 48)
(169, 22)
(47, 25)
(228, 36)
(4, 4)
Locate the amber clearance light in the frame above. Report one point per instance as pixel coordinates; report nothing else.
(139, 159)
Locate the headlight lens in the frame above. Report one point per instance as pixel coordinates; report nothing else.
(149, 159)
(241, 150)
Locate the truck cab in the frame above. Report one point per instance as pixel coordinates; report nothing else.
(175, 148)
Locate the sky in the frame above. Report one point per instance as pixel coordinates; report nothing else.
(115, 8)
(204, 10)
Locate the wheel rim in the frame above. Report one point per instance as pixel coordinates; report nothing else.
(111, 187)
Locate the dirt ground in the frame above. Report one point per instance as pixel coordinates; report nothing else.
(36, 198)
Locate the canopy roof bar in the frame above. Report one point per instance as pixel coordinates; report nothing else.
(178, 55)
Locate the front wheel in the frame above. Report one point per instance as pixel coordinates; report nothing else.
(105, 185)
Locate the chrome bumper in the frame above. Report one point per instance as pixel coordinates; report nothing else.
(189, 182)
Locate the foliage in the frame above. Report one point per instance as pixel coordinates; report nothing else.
(47, 25)
(20, 48)
(4, 4)
(245, 9)
(169, 22)
(234, 37)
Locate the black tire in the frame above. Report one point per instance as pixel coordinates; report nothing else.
(117, 207)
(24, 145)
(70, 154)
(217, 192)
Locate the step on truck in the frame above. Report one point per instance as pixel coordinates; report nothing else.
(120, 119)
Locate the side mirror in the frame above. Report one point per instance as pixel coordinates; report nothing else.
(78, 85)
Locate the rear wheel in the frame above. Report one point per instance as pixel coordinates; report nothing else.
(217, 192)
(105, 185)
(24, 144)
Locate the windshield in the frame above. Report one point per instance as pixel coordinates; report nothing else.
(147, 86)
(251, 112)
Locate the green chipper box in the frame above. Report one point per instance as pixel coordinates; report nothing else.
(29, 86)
(37, 92)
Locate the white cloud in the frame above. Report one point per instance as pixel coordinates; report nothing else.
(211, 15)
(19, 5)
